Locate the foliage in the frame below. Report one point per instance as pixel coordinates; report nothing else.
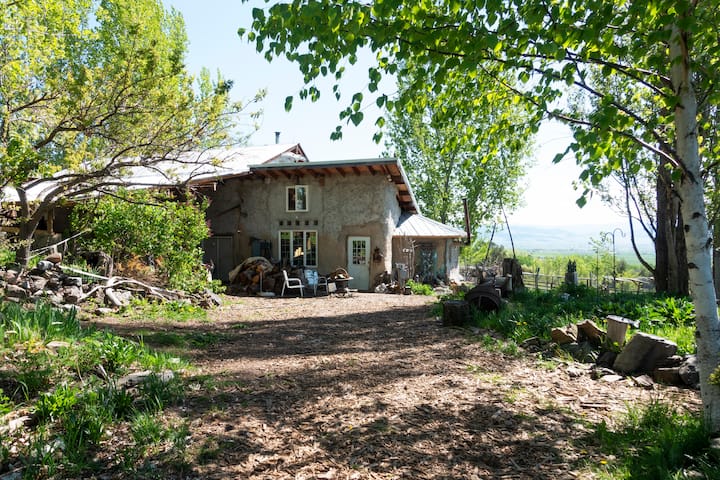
(534, 314)
(655, 442)
(140, 225)
(103, 90)
(451, 153)
(481, 252)
(175, 311)
(661, 49)
(418, 288)
(73, 392)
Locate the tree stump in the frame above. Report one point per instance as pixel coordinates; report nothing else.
(455, 313)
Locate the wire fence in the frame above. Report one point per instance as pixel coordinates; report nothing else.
(608, 284)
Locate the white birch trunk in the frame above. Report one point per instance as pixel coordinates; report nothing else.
(697, 237)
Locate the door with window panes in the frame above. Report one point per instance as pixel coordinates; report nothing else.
(359, 262)
(298, 248)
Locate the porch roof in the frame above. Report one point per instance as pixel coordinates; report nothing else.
(415, 225)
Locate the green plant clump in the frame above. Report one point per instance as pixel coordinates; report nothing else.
(418, 288)
(655, 442)
(75, 395)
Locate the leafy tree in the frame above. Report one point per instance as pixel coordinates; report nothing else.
(451, 152)
(140, 225)
(550, 47)
(90, 89)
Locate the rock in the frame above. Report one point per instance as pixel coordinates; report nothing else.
(606, 359)
(574, 372)
(11, 277)
(673, 361)
(533, 344)
(668, 375)
(210, 299)
(73, 295)
(600, 372)
(54, 258)
(589, 331)
(39, 283)
(73, 282)
(44, 266)
(104, 311)
(689, 373)
(16, 292)
(118, 298)
(643, 381)
(564, 335)
(56, 345)
(715, 448)
(134, 379)
(611, 378)
(643, 352)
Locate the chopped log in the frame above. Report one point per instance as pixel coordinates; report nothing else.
(455, 313)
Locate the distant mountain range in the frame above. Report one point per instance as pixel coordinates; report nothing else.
(567, 238)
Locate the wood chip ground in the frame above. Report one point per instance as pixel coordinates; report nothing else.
(373, 387)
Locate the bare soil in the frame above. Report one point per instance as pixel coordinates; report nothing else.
(373, 387)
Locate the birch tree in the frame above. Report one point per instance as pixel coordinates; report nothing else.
(551, 47)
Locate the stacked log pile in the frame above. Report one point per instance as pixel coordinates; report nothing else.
(68, 287)
(256, 275)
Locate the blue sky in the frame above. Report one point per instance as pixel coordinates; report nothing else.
(212, 30)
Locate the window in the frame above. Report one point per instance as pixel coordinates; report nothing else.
(297, 200)
(298, 248)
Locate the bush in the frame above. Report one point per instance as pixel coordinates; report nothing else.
(418, 288)
(139, 225)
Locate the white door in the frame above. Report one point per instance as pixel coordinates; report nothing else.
(359, 262)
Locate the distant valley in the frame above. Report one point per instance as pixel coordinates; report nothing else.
(567, 239)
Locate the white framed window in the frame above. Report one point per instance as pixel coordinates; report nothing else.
(296, 198)
(298, 248)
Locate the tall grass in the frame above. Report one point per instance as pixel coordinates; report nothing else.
(534, 314)
(72, 390)
(655, 442)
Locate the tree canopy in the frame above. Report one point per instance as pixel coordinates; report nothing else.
(453, 153)
(666, 48)
(90, 89)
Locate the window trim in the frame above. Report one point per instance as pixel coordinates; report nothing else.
(294, 188)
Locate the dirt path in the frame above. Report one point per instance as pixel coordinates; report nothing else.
(373, 387)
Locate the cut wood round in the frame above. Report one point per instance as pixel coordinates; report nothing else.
(455, 313)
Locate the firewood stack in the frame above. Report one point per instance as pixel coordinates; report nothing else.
(257, 274)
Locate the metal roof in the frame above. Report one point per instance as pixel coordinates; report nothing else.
(415, 225)
(193, 167)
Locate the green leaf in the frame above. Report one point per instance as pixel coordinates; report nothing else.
(288, 103)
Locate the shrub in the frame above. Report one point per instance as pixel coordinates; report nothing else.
(418, 288)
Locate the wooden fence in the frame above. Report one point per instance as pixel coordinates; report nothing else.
(539, 281)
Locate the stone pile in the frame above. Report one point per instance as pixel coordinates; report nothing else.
(49, 281)
(645, 357)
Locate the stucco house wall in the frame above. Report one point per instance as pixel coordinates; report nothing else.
(338, 207)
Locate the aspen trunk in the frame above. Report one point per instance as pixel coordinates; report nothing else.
(697, 236)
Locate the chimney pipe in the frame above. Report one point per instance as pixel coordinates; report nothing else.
(277, 137)
(468, 240)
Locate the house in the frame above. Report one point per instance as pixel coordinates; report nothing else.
(272, 201)
(359, 215)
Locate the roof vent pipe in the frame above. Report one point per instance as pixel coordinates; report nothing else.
(277, 138)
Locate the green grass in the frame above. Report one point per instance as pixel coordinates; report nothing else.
(656, 442)
(72, 392)
(534, 314)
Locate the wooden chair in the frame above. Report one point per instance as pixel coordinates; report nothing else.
(291, 283)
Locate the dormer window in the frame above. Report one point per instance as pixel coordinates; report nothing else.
(297, 198)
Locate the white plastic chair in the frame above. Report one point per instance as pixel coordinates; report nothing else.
(291, 283)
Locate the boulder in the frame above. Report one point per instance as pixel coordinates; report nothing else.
(73, 295)
(643, 353)
(564, 335)
(16, 292)
(590, 332)
(11, 277)
(689, 373)
(668, 375)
